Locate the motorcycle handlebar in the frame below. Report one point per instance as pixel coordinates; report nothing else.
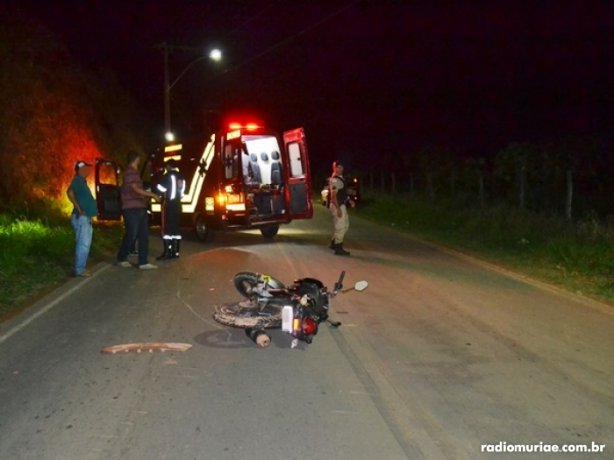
(339, 283)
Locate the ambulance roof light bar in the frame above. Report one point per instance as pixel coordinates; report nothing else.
(248, 126)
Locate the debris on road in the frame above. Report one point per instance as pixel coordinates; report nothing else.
(138, 347)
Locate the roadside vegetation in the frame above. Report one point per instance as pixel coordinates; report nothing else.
(577, 256)
(54, 113)
(37, 254)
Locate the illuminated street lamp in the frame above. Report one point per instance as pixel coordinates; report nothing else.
(215, 55)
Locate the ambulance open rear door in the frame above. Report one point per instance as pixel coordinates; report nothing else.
(298, 191)
(108, 196)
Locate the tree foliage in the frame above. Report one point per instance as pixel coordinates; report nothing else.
(553, 177)
(53, 114)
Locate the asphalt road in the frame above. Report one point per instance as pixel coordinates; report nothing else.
(438, 357)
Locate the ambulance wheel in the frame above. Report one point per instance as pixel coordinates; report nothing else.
(269, 231)
(203, 232)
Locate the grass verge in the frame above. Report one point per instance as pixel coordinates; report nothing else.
(578, 257)
(38, 253)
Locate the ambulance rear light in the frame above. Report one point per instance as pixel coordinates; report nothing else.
(234, 198)
(231, 201)
(223, 198)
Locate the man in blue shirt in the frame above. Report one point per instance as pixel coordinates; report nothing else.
(84, 209)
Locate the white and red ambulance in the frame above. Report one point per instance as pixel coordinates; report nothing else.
(242, 177)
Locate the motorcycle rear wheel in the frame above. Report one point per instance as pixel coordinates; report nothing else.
(245, 316)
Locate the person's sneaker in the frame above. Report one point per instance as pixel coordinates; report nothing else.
(124, 263)
(148, 267)
(85, 274)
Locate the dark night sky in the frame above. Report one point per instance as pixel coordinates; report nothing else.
(364, 77)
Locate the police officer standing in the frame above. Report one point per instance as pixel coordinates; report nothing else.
(337, 203)
(172, 187)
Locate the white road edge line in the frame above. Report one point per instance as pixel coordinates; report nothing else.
(48, 307)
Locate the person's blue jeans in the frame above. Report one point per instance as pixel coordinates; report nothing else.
(82, 225)
(136, 222)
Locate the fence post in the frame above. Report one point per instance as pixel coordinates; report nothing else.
(522, 184)
(568, 195)
(481, 189)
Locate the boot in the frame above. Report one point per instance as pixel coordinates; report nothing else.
(176, 246)
(339, 251)
(168, 250)
(332, 244)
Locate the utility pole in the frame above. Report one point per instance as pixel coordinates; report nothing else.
(167, 92)
(215, 55)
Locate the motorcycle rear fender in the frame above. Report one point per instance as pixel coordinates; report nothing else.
(310, 280)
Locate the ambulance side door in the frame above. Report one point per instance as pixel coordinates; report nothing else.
(298, 175)
(108, 195)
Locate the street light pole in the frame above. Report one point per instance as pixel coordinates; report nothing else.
(215, 55)
(167, 95)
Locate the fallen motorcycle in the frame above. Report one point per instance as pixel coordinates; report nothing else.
(297, 309)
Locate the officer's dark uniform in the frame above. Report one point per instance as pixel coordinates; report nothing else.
(172, 187)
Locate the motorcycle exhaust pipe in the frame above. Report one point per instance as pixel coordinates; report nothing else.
(259, 337)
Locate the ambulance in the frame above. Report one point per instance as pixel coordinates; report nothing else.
(244, 177)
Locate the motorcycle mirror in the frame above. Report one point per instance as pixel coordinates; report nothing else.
(361, 285)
